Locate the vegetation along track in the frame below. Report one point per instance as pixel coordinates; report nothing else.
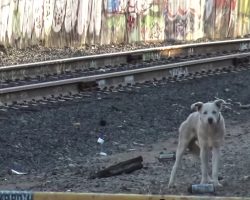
(60, 80)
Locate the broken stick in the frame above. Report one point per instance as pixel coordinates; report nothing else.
(127, 166)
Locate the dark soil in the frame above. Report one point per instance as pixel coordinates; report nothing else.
(57, 144)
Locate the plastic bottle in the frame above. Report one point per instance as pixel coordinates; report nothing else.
(201, 188)
(166, 157)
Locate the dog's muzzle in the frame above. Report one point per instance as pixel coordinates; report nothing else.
(210, 120)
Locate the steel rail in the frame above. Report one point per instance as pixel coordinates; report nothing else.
(94, 78)
(125, 53)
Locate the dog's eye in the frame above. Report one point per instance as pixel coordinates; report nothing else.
(205, 112)
(214, 112)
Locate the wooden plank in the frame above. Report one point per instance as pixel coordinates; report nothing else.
(24, 195)
(101, 196)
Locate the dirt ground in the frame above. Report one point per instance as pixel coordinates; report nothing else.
(56, 144)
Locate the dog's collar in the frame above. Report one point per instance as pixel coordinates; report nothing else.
(219, 118)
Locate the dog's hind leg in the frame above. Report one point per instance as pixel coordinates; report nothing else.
(179, 153)
(184, 140)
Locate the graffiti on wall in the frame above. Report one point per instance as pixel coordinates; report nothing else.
(184, 19)
(77, 22)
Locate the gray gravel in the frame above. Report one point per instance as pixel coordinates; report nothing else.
(59, 155)
(13, 56)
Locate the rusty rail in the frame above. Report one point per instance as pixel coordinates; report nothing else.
(121, 78)
(78, 63)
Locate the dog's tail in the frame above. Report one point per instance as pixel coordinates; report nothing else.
(194, 147)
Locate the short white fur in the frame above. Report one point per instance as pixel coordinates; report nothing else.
(208, 126)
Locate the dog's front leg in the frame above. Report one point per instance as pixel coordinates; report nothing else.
(204, 163)
(215, 164)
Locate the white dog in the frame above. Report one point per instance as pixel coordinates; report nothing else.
(208, 126)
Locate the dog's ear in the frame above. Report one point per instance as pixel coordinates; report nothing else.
(196, 106)
(219, 103)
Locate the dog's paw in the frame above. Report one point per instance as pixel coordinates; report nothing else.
(204, 181)
(217, 184)
(210, 180)
(171, 185)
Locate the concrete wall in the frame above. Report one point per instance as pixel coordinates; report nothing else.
(78, 22)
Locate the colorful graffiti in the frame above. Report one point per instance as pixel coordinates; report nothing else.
(77, 22)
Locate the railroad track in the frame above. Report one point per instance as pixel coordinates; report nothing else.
(61, 80)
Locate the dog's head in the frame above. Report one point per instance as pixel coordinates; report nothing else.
(209, 112)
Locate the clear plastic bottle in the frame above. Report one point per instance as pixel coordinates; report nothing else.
(201, 188)
(166, 156)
